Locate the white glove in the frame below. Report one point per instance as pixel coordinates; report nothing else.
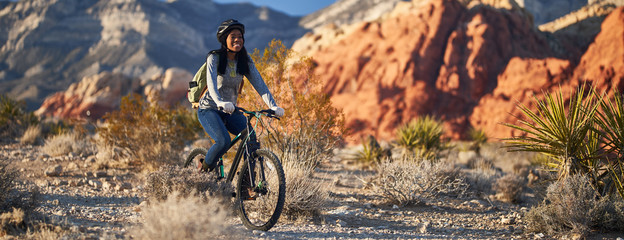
(227, 107)
(279, 112)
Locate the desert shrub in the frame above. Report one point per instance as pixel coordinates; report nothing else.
(13, 118)
(580, 139)
(183, 216)
(305, 196)
(7, 181)
(16, 204)
(509, 188)
(565, 136)
(153, 135)
(573, 205)
(371, 153)
(409, 182)
(64, 143)
(185, 181)
(478, 138)
(311, 127)
(12, 222)
(481, 180)
(422, 136)
(31, 135)
(611, 122)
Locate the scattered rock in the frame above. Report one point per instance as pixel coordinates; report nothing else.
(54, 171)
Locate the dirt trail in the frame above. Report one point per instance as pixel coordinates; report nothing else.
(107, 203)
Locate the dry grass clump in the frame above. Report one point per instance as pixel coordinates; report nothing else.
(305, 197)
(10, 195)
(31, 135)
(64, 143)
(7, 182)
(573, 206)
(184, 216)
(16, 205)
(12, 222)
(509, 188)
(186, 181)
(409, 182)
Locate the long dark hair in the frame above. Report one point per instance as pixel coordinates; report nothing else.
(242, 61)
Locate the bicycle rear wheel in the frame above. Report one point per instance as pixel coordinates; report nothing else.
(194, 157)
(260, 204)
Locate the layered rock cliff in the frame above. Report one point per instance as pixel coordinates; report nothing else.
(46, 45)
(468, 65)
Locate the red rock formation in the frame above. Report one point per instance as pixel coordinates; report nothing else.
(90, 98)
(469, 67)
(602, 64)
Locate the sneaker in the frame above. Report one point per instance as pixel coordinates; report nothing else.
(205, 167)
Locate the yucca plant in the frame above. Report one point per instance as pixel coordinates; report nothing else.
(611, 122)
(478, 138)
(422, 136)
(371, 151)
(566, 136)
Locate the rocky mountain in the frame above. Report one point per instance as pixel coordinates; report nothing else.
(46, 45)
(346, 12)
(467, 64)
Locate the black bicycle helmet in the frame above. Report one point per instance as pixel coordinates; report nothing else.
(227, 26)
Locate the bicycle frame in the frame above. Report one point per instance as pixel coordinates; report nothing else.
(244, 136)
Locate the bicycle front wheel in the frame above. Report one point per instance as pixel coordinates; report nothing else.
(261, 197)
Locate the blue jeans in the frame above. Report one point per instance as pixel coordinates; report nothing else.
(217, 124)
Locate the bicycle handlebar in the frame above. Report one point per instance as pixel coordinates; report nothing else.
(266, 112)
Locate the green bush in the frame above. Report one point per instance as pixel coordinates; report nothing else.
(13, 118)
(153, 135)
(422, 136)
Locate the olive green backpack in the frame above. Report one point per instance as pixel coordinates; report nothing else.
(197, 87)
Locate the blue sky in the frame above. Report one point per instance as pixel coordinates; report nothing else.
(290, 7)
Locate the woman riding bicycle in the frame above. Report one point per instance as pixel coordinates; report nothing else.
(225, 69)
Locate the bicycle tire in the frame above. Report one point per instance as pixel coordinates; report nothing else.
(262, 212)
(192, 160)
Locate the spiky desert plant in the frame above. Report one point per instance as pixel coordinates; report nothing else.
(566, 136)
(611, 122)
(478, 138)
(371, 151)
(422, 136)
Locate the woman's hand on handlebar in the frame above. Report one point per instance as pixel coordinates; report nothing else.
(278, 111)
(226, 107)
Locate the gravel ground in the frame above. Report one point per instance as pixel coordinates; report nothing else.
(107, 203)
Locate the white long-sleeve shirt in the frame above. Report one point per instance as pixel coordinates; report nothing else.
(224, 88)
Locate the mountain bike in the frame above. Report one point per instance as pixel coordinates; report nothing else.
(260, 189)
